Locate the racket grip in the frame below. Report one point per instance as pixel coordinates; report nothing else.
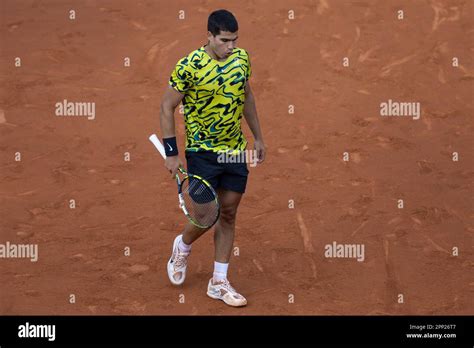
(159, 146)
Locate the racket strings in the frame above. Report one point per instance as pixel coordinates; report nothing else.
(200, 201)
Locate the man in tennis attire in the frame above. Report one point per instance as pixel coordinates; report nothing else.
(212, 82)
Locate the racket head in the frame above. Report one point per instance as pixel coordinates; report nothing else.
(199, 200)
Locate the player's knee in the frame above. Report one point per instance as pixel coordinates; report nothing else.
(228, 215)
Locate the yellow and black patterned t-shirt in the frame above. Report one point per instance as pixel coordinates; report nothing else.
(213, 100)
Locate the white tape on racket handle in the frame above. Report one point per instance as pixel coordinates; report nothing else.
(159, 146)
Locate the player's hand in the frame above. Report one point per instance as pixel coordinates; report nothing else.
(259, 146)
(172, 163)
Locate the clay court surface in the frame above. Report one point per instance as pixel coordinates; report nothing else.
(295, 62)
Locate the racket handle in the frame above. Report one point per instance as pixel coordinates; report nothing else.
(159, 146)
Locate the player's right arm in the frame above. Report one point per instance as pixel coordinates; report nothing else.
(170, 101)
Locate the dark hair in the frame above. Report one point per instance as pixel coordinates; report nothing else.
(222, 20)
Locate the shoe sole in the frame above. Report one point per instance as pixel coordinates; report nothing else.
(175, 245)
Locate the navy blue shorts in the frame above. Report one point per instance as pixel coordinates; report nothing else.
(228, 176)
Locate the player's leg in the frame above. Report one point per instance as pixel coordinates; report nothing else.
(225, 226)
(204, 165)
(232, 183)
(191, 233)
(219, 287)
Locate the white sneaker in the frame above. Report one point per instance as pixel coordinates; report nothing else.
(225, 292)
(177, 264)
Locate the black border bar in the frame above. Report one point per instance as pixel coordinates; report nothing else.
(291, 330)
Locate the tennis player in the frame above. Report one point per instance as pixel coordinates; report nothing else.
(212, 82)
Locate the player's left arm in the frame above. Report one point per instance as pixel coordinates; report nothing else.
(250, 114)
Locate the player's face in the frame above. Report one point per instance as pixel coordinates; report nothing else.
(223, 44)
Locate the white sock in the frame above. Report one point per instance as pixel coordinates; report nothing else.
(183, 247)
(220, 271)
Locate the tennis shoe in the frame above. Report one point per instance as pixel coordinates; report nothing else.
(177, 263)
(225, 292)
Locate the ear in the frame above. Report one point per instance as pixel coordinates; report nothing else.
(209, 35)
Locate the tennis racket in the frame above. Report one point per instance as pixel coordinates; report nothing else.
(197, 199)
